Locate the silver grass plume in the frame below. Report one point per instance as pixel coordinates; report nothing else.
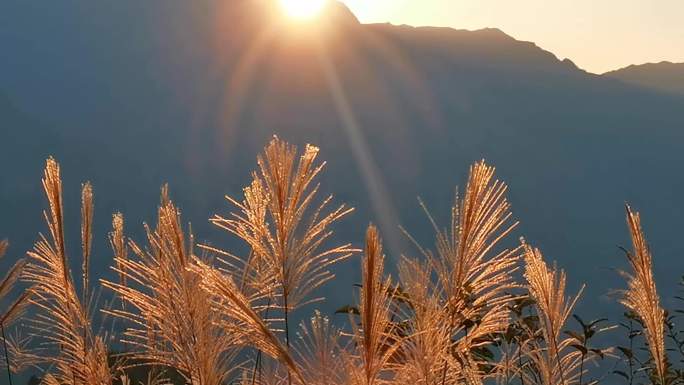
(276, 219)
(318, 352)
(16, 308)
(555, 362)
(170, 318)
(641, 295)
(374, 338)
(80, 355)
(236, 311)
(473, 278)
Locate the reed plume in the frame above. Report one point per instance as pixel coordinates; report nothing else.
(271, 373)
(641, 296)
(472, 277)
(80, 355)
(13, 352)
(236, 311)
(154, 377)
(16, 308)
(86, 236)
(285, 230)
(117, 241)
(425, 352)
(318, 352)
(171, 319)
(20, 353)
(555, 363)
(277, 221)
(374, 337)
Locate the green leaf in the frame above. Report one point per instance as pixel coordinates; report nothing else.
(579, 320)
(580, 348)
(626, 351)
(575, 335)
(598, 352)
(348, 309)
(621, 373)
(594, 322)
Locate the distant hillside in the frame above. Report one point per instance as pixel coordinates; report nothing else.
(131, 94)
(664, 76)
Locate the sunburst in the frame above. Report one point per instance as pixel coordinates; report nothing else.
(302, 9)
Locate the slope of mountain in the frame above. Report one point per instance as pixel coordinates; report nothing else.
(664, 76)
(132, 94)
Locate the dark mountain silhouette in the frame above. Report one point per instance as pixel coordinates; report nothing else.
(664, 76)
(131, 94)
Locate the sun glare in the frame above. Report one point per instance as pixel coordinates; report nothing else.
(302, 9)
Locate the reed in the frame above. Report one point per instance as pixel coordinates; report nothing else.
(79, 355)
(169, 317)
(375, 342)
(218, 317)
(642, 298)
(555, 363)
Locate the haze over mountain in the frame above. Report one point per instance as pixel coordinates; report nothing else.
(131, 94)
(665, 76)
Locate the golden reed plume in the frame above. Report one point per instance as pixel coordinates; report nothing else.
(473, 278)
(17, 308)
(236, 312)
(277, 221)
(170, 318)
(554, 361)
(80, 356)
(318, 352)
(117, 242)
(374, 339)
(16, 353)
(641, 296)
(285, 229)
(425, 354)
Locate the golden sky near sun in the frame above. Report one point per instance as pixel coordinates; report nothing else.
(598, 35)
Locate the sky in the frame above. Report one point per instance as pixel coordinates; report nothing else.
(598, 35)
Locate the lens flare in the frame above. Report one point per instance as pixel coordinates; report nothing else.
(302, 9)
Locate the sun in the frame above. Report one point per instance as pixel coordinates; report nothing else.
(303, 9)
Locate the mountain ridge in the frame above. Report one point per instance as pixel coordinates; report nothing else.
(664, 76)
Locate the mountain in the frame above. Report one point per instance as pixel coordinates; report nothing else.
(664, 76)
(132, 94)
